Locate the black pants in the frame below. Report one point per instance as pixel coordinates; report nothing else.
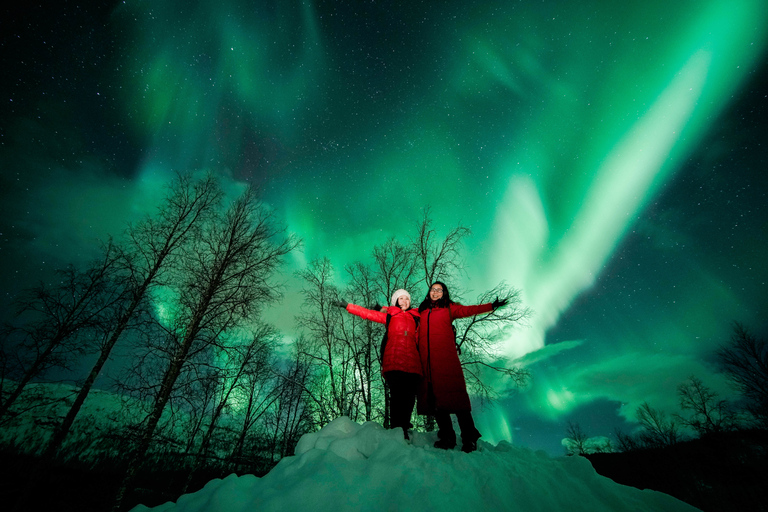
(445, 427)
(402, 397)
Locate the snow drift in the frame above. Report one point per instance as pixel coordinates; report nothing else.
(348, 466)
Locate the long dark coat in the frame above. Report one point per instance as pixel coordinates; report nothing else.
(443, 388)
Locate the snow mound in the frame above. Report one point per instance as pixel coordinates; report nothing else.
(347, 466)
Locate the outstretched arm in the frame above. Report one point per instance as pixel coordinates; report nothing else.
(459, 311)
(367, 314)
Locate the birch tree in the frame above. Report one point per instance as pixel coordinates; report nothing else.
(223, 280)
(149, 251)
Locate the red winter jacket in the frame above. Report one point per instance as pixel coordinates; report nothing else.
(440, 361)
(401, 352)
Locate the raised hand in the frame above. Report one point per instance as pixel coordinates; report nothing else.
(339, 304)
(499, 303)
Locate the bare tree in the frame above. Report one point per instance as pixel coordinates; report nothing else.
(745, 362)
(196, 393)
(225, 278)
(576, 439)
(438, 259)
(708, 415)
(578, 443)
(147, 254)
(657, 430)
(326, 346)
(59, 321)
(344, 348)
(364, 339)
(395, 266)
(236, 362)
(262, 390)
(626, 442)
(478, 340)
(298, 402)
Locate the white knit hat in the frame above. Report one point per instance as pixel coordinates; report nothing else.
(399, 293)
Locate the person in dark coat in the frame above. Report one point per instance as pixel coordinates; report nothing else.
(443, 390)
(400, 362)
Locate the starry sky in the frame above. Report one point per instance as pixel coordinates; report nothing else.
(609, 158)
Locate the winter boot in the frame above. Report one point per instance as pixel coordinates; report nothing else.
(469, 434)
(446, 437)
(468, 445)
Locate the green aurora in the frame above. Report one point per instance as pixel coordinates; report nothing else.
(599, 152)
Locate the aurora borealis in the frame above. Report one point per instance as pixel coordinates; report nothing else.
(609, 158)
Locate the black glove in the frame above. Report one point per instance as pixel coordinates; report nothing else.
(376, 307)
(499, 303)
(339, 304)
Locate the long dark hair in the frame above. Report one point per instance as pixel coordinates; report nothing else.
(442, 302)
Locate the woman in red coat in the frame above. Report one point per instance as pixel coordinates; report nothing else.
(443, 390)
(400, 362)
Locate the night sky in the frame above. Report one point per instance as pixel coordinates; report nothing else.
(609, 157)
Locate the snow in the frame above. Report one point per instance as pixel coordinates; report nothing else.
(349, 466)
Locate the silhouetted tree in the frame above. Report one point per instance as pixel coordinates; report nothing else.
(58, 322)
(233, 364)
(578, 443)
(196, 394)
(657, 431)
(261, 388)
(626, 442)
(708, 415)
(298, 401)
(224, 279)
(576, 439)
(396, 266)
(438, 260)
(364, 338)
(149, 250)
(744, 360)
(326, 346)
(478, 340)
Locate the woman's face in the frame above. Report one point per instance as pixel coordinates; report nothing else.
(436, 292)
(404, 302)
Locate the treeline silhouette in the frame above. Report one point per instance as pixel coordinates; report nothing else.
(712, 454)
(186, 379)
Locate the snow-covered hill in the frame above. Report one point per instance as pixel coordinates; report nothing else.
(347, 466)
